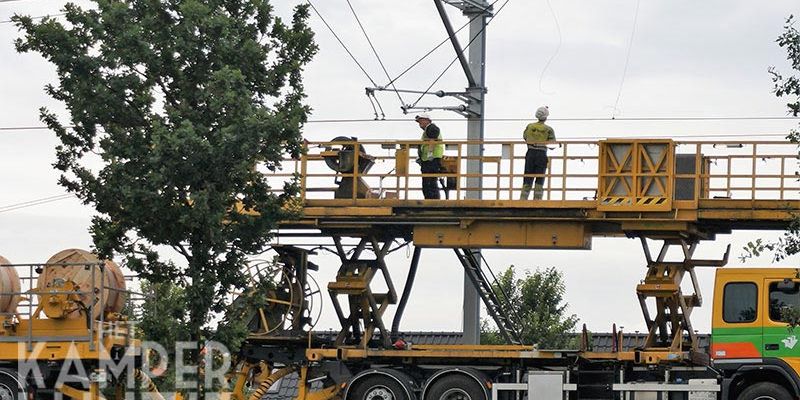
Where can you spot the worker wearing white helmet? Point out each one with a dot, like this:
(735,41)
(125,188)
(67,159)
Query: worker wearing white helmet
(536,135)
(431,152)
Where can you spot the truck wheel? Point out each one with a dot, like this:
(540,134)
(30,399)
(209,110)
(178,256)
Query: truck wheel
(377,387)
(765,391)
(10,386)
(455,387)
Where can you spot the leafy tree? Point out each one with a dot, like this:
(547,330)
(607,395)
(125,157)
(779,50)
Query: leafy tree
(173,106)
(538,300)
(787,87)
(163,318)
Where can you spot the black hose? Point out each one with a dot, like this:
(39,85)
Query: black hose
(412,272)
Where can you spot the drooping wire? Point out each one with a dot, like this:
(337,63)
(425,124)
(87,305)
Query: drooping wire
(555,53)
(341,42)
(478,34)
(383,67)
(627,60)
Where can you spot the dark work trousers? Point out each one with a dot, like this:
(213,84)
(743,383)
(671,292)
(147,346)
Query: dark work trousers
(430,188)
(535,163)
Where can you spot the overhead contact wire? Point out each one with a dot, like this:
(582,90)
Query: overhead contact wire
(31,203)
(441,43)
(341,42)
(371,46)
(483,28)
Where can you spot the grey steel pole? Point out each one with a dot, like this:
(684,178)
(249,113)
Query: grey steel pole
(475,106)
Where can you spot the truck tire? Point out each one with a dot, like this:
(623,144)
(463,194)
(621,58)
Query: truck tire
(377,387)
(10,386)
(455,387)
(765,391)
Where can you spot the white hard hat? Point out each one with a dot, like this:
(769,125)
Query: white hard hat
(422,116)
(542,113)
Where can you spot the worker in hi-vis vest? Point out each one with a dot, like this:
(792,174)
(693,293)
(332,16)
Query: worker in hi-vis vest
(430,156)
(536,158)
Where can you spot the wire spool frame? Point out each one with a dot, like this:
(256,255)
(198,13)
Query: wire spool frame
(290,306)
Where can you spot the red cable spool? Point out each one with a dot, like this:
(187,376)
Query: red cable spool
(109,276)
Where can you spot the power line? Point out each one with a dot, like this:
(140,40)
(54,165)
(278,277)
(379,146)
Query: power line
(477,15)
(480,32)
(341,42)
(364,31)
(8,21)
(31,203)
(509,119)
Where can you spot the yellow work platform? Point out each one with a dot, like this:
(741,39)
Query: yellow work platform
(592,188)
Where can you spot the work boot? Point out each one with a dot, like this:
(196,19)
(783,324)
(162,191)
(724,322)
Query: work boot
(526,189)
(538,192)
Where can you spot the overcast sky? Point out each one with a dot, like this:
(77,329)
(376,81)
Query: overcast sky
(687,59)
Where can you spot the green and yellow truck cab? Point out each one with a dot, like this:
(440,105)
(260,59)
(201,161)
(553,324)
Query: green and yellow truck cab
(753,345)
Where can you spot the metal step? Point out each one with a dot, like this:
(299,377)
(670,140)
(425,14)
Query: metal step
(496,308)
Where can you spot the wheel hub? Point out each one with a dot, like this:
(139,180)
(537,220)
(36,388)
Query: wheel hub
(455,394)
(379,393)
(6,393)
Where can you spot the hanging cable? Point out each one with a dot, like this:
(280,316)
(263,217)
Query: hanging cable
(341,42)
(555,53)
(372,101)
(627,60)
(480,32)
(366,36)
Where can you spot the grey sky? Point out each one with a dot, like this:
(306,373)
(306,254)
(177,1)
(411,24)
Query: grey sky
(688,59)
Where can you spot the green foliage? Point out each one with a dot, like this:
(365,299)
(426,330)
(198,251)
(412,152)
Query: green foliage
(783,247)
(173,105)
(787,87)
(164,320)
(234,327)
(538,299)
(791,315)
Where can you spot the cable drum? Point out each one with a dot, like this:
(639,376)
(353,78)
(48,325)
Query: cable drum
(107,280)
(344,159)
(9,283)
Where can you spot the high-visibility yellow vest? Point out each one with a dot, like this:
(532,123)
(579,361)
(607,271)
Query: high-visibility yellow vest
(538,132)
(429,151)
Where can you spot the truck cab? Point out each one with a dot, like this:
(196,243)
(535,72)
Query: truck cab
(753,345)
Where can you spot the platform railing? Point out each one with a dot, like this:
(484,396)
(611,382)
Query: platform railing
(745,170)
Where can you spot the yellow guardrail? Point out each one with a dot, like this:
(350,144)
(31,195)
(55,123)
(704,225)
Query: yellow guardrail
(620,174)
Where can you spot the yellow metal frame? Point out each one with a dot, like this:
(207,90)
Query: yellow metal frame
(636,175)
